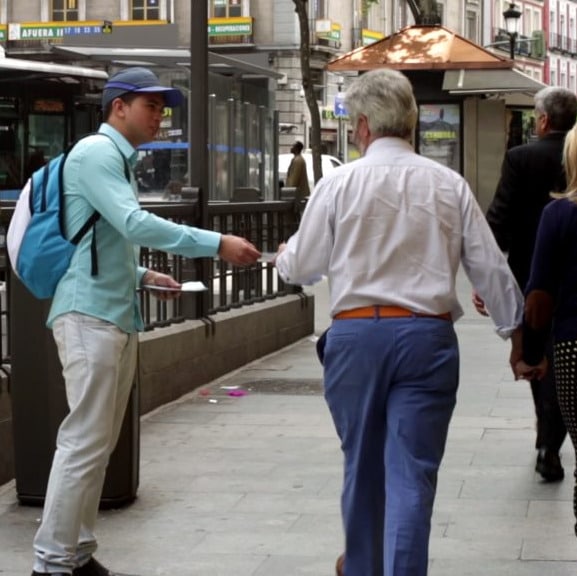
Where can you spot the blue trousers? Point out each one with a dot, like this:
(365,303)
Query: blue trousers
(391,385)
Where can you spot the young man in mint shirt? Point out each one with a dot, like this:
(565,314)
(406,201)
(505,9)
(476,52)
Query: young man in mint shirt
(95,317)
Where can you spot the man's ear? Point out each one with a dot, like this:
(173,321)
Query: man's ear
(118,105)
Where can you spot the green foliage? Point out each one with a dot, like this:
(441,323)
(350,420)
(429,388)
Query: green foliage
(367,5)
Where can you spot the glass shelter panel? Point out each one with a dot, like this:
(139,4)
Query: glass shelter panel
(219,176)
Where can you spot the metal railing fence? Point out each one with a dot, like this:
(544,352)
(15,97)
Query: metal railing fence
(266,224)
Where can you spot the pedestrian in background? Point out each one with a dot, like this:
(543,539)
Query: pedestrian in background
(551,304)
(297,176)
(95,317)
(529,174)
(390,231)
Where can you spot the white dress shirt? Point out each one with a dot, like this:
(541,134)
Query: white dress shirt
(391,229)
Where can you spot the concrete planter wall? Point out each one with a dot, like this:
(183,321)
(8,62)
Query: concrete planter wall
(175,360)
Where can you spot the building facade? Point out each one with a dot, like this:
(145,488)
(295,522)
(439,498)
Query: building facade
(266,34)
(560,19)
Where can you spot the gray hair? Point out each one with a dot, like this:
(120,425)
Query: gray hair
(386,98)
(560,106)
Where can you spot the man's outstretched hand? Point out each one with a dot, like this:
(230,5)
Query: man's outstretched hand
(237,251)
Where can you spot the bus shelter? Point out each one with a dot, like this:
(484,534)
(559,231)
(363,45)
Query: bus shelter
(43,108)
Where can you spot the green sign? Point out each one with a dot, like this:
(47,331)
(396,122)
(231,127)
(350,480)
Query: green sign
(329,114)
(51,31)
(230,26)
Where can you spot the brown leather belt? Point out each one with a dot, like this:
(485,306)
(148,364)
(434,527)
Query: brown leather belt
(387,312)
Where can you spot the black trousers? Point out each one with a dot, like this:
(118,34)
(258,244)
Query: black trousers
(551,430)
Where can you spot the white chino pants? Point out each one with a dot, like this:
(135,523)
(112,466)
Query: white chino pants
(99,363)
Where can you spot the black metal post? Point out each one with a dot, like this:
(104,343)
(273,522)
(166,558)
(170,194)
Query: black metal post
(512,38)
(198,145)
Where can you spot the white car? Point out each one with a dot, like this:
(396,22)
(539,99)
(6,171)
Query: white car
(328,163)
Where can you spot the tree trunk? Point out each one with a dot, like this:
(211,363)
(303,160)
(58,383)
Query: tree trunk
(305,48)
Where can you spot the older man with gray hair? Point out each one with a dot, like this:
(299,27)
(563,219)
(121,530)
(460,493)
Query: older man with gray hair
(390,231)
(528,176)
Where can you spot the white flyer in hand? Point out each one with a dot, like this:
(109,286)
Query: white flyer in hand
(185,287)
(193,287)
(267,257)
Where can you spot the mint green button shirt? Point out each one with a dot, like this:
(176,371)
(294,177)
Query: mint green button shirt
(95,180)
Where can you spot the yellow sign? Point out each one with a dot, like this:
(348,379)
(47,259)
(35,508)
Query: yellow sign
(370,36)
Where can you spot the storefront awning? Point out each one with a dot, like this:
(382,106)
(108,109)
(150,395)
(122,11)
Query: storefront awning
(15,65)
(169,57)
(498,81)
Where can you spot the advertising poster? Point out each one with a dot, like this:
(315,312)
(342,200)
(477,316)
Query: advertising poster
(439,134)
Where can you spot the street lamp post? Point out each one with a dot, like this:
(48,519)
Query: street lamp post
(512,16)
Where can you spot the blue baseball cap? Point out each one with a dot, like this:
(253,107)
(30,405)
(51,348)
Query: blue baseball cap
(138,80)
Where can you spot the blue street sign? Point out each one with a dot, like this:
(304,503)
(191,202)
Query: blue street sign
(340,109)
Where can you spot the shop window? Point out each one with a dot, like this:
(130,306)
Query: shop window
(146,9)
(521,127)
(225,8)
(65,10)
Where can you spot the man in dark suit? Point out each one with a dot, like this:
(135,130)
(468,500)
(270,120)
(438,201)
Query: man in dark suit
(529,174)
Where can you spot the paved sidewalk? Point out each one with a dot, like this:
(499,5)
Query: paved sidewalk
(249,485)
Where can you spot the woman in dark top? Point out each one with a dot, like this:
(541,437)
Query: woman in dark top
(551,296)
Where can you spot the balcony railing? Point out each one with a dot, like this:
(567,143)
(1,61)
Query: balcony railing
(562,43)
(523,44)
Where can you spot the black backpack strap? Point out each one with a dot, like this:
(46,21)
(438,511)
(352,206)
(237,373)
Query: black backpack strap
(44,188)
(91,222)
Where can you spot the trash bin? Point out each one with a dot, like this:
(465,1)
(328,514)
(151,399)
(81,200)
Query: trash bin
(39,406)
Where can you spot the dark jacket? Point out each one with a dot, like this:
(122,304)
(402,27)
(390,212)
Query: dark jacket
(528,176)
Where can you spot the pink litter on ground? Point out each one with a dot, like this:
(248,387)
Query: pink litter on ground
(239,392)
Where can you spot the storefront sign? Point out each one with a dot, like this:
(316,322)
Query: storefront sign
(336,32)
(3,33)
(329,114)
(328,30)
(340,110)
(55,30)
(370,36)
(230,26)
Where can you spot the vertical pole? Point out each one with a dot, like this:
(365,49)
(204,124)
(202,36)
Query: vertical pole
(231,141)
(197,149)
(263,153)
(512,46)
(340,155)
(212,143)
(274,153)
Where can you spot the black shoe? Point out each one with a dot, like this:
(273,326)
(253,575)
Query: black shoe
(94,568)
(34,573)
(549,466)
